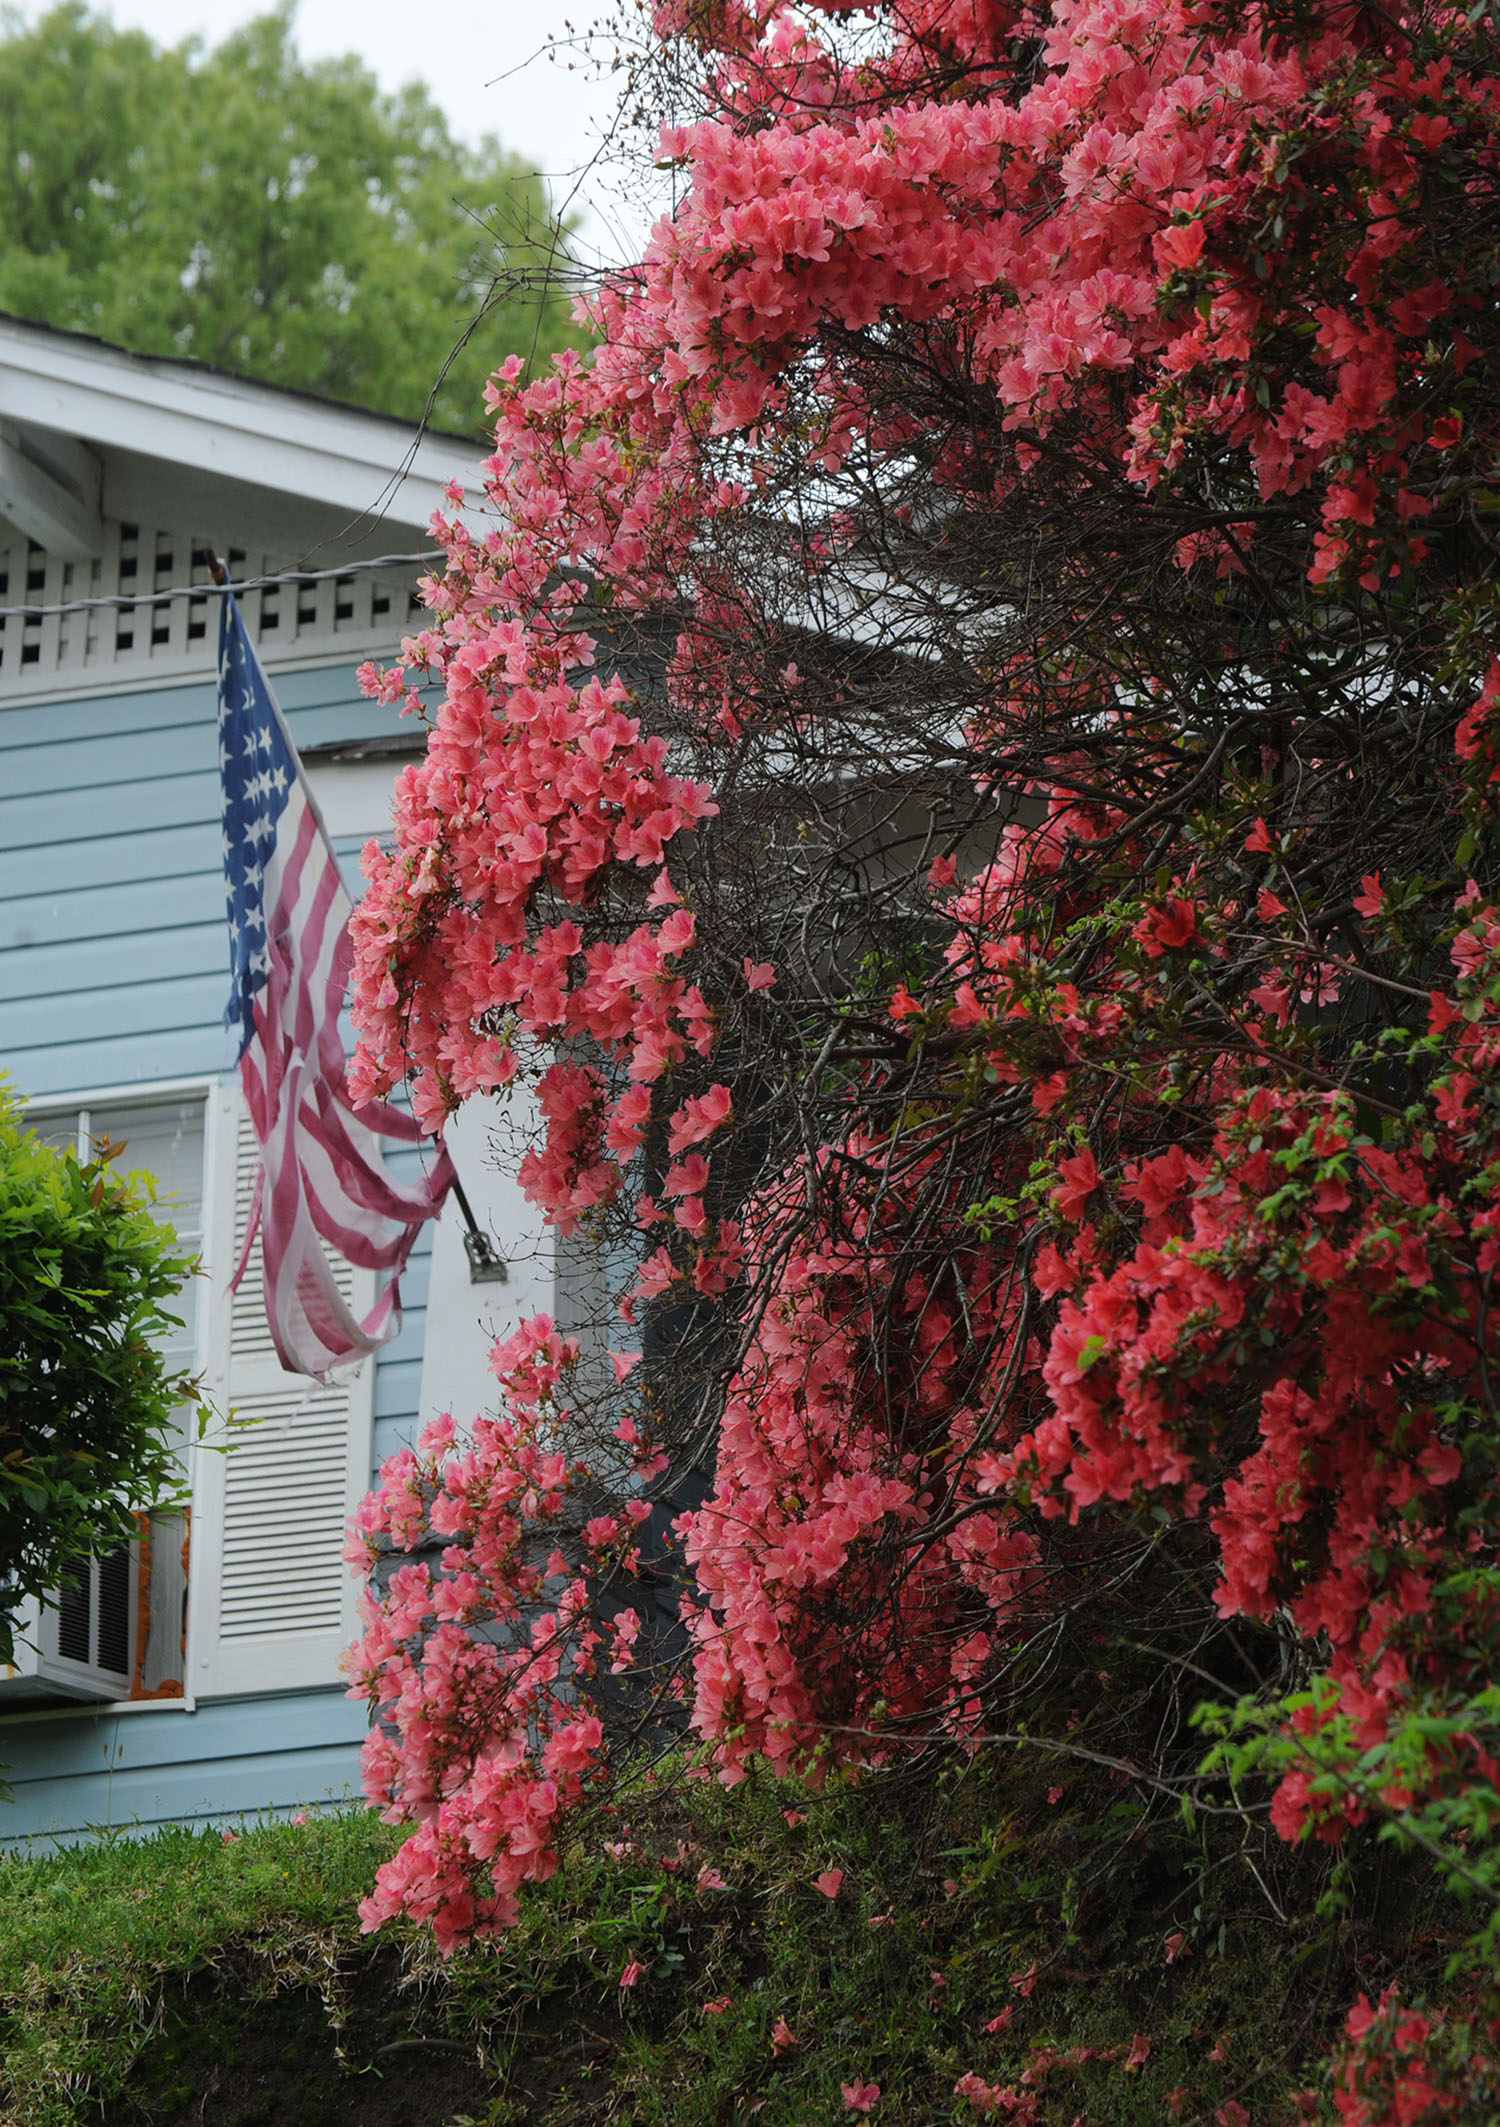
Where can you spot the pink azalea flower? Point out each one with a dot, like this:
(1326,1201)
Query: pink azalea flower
(860,2097)
(828,1882)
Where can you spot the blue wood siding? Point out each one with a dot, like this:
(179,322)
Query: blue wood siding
(75,1773)
(114,965)
(113,962)
(114,971)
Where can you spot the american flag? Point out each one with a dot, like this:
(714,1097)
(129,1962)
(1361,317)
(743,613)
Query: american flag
(322,1176)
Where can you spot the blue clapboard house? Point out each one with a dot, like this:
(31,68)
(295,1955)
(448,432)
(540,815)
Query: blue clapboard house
(194,1677)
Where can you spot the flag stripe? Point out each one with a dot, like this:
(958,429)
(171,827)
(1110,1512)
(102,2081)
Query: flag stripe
(322,1171)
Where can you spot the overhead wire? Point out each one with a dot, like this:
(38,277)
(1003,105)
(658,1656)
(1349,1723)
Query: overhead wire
(127,601)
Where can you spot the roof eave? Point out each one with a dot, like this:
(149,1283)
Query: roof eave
(190,415)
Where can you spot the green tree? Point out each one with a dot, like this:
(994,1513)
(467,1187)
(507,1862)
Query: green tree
(89,1409)
(287,220)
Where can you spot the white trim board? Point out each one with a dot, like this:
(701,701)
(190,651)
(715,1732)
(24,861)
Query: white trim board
(91,682)
(94,1710)
(143,1092)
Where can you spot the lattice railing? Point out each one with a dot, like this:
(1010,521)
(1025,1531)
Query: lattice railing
(368,610)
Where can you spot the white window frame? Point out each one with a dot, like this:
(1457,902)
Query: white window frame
(215,1667)
(36,1622)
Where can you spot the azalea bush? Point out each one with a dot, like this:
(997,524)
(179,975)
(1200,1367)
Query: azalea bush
(963,759)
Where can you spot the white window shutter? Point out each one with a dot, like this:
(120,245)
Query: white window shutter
(272,1603)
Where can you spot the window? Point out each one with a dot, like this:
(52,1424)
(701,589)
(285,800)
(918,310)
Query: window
(269,1603)
(117,1626)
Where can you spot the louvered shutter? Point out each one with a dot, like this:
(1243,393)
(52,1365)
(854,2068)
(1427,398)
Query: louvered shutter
(272,1600)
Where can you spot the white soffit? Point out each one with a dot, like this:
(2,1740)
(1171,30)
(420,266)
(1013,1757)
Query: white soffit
(192,417)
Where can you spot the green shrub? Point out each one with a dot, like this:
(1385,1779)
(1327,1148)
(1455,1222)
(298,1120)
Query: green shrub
(88,1407)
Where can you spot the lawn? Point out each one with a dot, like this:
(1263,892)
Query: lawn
(702,1956)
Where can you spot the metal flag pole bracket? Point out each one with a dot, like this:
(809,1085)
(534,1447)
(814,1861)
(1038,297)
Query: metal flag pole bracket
(486,1264)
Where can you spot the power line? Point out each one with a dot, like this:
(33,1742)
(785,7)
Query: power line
(126,601)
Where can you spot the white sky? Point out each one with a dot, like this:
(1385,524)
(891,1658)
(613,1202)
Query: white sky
(484,63)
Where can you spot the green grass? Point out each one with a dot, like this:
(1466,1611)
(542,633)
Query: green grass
(184,1978)
(90,1939)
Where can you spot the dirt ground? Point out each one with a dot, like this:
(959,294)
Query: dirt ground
(227,2060)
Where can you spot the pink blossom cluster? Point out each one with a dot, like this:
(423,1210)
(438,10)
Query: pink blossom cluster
(479,1674)
(1400,2068)
(1098,229)
(1273,1332)
(1105,225)
(821,1469)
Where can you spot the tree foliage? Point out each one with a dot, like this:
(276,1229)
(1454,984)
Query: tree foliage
(277,217)
(90,1415)
(1016,930)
